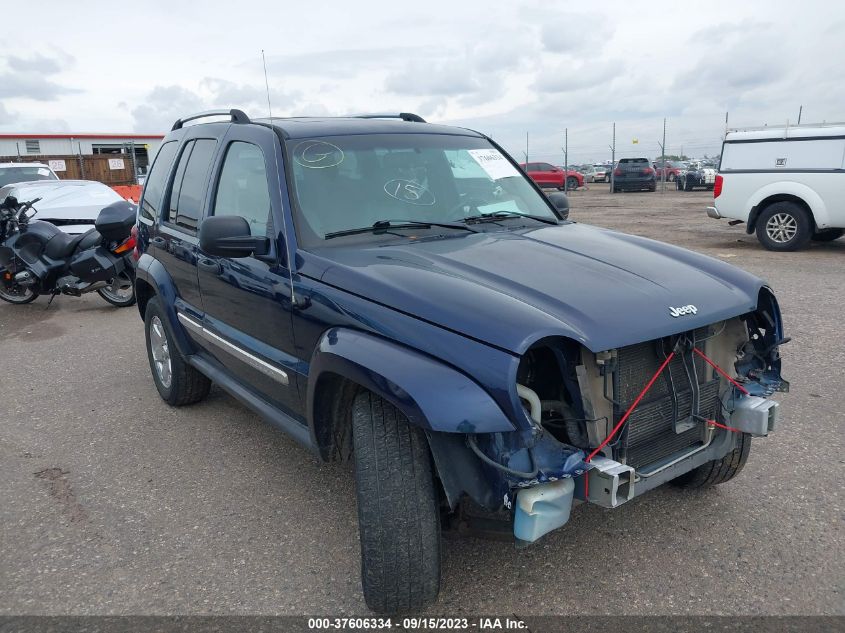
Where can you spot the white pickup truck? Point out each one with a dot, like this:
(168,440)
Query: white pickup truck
(785,183)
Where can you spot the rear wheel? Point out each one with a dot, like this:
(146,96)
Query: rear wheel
(784,226)
(828,235)
(177,382)
(717,471)
(120,292)
(397,508)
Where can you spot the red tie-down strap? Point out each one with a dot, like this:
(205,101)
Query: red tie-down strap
(645,390)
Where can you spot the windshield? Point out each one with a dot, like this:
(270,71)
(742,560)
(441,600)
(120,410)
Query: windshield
(348,182)
(24,173)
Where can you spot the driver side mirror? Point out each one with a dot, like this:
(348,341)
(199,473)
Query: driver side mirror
(9,202)
(560,202)
(229,236)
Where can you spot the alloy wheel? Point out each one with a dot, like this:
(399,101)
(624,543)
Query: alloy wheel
(781,228)
(161,352)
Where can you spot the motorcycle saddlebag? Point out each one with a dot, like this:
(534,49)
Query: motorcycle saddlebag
(96,264)
(115,221)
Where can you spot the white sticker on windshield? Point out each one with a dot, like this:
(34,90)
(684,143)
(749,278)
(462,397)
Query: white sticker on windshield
(43,172)
(493,162)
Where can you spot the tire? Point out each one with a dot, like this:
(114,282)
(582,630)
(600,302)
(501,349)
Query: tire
(16,294)
(671,177)
(181,384)
(717,471)
(571,183)
(784,226)
(398,516)
(688,186)
(121,293)
(828,235)
(653,188)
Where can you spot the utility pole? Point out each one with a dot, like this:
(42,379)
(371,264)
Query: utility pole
(565,158)
(663,158)
(613,161)
(526,150)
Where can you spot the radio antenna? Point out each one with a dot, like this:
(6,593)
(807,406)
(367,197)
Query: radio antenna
(293,301)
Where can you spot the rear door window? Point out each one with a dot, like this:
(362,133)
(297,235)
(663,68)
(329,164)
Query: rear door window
(189,183)
(157,180)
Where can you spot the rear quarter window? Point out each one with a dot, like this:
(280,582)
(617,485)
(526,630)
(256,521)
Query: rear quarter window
(157,180)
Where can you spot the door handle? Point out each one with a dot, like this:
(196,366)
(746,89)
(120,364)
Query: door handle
(157,242)
(209,266)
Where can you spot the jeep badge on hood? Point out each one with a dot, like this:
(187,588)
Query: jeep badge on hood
(687,309)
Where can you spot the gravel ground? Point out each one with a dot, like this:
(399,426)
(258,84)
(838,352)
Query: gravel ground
(113,503)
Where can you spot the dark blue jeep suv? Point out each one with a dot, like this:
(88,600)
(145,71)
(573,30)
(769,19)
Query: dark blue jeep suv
(401,295)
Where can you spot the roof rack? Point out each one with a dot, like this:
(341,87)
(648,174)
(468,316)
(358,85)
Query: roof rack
(787,125)
(405,116)
(238,116)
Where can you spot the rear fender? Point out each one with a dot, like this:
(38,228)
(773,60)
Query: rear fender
(150,271)
(786,190)
(432,395)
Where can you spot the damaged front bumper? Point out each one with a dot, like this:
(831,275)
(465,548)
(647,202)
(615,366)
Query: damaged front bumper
(583,446)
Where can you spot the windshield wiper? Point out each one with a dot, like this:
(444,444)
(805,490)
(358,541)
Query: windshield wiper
(498,215)
(385,225)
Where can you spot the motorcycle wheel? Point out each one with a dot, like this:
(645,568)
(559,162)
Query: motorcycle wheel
(15,293)
(120,292)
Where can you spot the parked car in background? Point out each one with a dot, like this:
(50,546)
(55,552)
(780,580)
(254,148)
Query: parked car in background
(786,184)
(634,174)
(597,173)
(671,170)
(11,173)
(71,205)
(696,175)
(549,176)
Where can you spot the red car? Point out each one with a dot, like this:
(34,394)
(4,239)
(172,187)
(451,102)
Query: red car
(548,176)
(673,169)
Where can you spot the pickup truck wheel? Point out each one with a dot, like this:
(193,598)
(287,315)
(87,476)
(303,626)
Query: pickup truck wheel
(783,226)
(398,515)
(177,382)
(828,235)
(717,471)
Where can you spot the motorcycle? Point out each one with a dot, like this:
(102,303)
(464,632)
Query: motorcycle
(37,258)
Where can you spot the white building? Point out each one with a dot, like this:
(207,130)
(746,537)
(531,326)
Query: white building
(33,145)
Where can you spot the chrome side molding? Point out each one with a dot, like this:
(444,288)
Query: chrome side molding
(227,346)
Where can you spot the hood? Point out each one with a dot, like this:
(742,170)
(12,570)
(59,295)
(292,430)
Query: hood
(510,289)
(67,200)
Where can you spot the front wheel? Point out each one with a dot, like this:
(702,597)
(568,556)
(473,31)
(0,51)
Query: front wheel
(717,471)
(571,183)
(398,515)
(13,292)
(120,292)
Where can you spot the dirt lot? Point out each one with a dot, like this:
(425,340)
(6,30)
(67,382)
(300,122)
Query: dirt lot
(111,502)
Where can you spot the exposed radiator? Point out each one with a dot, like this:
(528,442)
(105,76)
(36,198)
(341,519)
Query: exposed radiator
(650,434)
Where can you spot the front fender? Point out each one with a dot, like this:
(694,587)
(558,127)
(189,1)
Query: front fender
(150,270)
(432,395)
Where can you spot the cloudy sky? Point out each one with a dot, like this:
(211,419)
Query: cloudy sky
(505,68)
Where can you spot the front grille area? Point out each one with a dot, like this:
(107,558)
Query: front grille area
(650,433)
